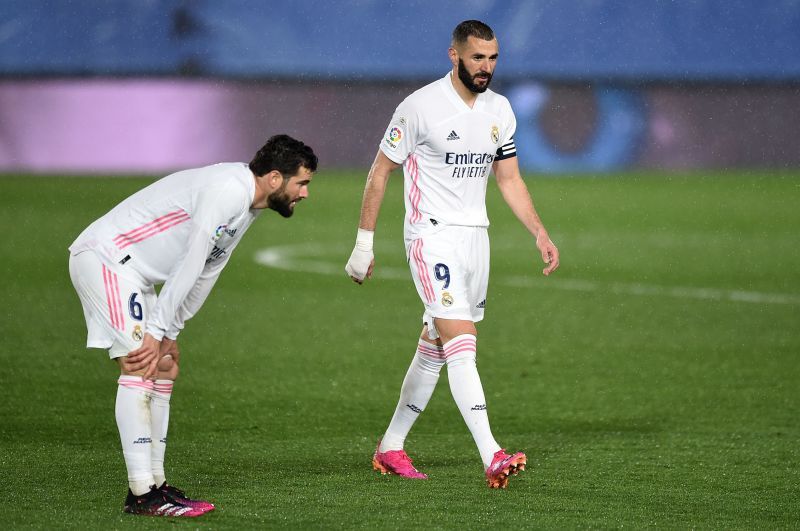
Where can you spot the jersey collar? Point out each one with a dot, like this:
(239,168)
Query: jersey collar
(450,90)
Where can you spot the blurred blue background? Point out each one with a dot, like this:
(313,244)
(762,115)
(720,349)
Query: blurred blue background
(566,40)
(597,85)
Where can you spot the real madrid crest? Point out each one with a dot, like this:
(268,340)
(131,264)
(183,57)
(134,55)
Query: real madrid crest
(495,134)
(447,299)
(137,334)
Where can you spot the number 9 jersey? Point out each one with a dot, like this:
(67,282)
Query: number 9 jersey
(447,150)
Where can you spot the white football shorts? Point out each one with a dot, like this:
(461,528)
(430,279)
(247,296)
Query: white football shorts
(450,268)
(115,307)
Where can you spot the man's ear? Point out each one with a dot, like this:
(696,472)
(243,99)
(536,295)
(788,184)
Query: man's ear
(273,179)
(453,54)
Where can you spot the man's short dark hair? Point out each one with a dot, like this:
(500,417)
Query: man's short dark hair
(471,28)
(285,154)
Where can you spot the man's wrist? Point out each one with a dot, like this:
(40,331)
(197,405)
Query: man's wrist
(156,333)
(364,239)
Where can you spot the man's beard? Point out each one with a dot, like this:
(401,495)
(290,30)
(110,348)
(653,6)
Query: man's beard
(469,81)
(279,202)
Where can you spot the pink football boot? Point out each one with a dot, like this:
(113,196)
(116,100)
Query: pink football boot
(395,462)
(503,466)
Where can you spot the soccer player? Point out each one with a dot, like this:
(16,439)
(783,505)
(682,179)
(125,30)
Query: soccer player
(179,232)
(448,136)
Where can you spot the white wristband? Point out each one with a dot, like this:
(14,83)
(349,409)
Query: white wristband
(364,239)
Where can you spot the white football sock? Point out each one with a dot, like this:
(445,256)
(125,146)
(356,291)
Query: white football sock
(418,386)
(159,415)
(465,385)
(132,411)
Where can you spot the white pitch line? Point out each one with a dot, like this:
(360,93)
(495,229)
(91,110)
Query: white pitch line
(315,258)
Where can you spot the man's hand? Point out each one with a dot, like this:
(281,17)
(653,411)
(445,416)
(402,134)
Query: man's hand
(169,347)
(145,357)
(549,252)
(362,260)
(169,356)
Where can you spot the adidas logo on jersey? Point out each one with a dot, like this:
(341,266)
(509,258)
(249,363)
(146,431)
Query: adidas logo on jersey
(453,136)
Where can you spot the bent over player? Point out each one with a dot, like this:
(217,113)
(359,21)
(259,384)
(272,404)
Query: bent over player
(180,232)
(448,136)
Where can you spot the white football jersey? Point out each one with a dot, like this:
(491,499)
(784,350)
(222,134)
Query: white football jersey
(447,150)
(179,232)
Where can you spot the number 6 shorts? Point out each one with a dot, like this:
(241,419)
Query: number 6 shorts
(115,307)
(450,268)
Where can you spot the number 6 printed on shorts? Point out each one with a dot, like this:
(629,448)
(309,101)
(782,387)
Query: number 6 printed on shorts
(135,308)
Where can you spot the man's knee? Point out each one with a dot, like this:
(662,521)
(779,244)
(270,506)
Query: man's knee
(450,328)
(166,363)
(167,368)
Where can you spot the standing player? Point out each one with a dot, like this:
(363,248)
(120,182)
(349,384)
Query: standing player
(179,232)
(448,136)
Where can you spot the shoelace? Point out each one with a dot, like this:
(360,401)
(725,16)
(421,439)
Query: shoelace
(404,457)
(497,465)
(174,490)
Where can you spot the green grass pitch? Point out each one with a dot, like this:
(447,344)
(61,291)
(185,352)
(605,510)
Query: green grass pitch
(653,381)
